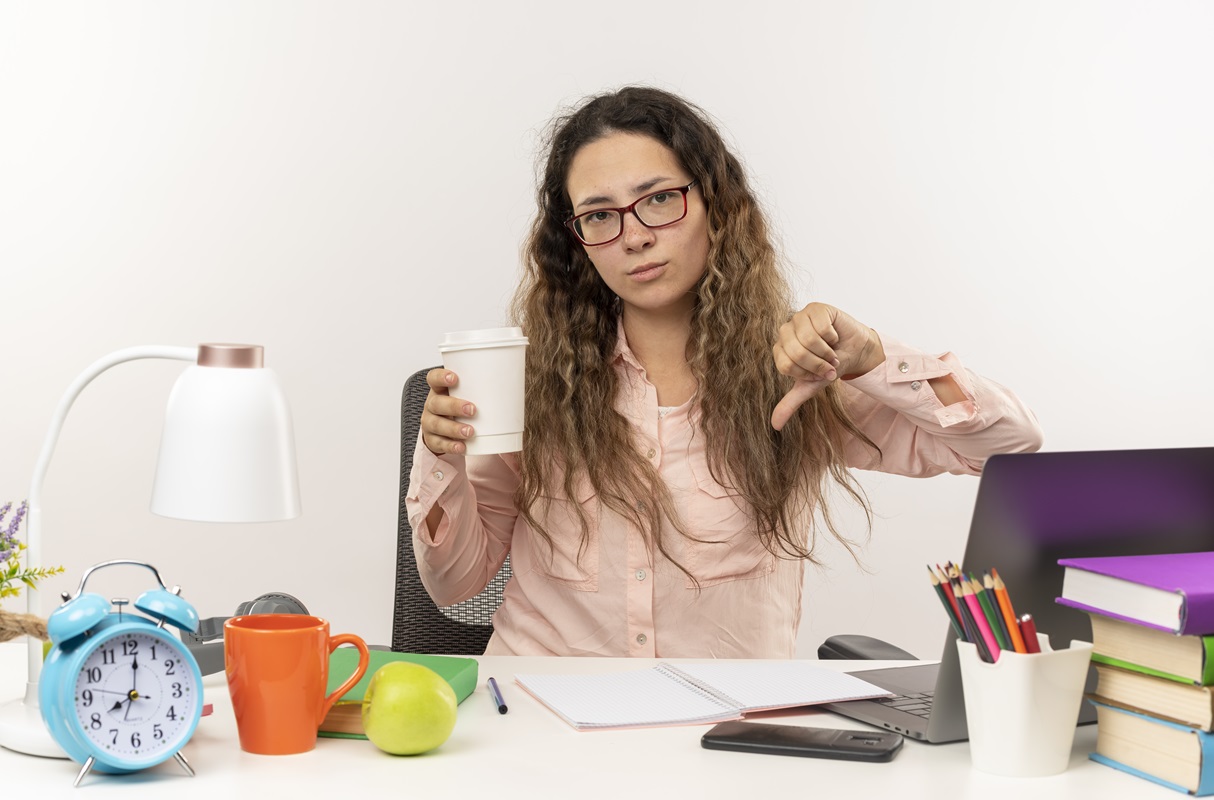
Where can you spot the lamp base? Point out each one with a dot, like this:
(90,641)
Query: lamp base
(22,730)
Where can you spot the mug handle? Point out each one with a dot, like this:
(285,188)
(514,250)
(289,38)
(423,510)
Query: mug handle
(364,659)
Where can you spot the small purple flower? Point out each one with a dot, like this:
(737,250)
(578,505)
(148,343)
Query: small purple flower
(8,536)
(12,575)
(16,521)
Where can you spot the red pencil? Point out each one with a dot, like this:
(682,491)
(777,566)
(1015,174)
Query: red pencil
(948,591)
(1028,629)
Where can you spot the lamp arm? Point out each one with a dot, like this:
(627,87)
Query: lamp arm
(33,519)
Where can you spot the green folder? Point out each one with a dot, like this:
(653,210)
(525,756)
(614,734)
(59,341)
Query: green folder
(460,672)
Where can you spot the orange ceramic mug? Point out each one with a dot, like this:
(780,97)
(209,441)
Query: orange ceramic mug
(278,670)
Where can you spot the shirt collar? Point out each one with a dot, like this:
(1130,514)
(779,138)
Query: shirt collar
(622,352)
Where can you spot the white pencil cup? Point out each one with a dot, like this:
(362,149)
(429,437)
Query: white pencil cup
(1022,710)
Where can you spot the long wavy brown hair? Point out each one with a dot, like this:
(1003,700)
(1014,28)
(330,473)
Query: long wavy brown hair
(570,317)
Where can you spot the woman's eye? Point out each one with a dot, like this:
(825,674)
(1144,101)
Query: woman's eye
(659,198)
(597,217)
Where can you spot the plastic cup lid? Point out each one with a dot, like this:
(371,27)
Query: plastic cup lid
(485,337)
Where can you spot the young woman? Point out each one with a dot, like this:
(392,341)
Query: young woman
(683,420)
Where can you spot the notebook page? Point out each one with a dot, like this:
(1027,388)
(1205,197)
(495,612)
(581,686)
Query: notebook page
(780,684)
(636,698)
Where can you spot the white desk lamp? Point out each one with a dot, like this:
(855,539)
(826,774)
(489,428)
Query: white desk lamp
(227,454)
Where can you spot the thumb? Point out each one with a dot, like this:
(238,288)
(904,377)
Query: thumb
(797,396)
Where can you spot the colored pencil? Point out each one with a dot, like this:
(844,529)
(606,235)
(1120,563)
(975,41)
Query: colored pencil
(992,644)
(1028,629)
(949,608)
(973,635)
(991,606)
(1009,615)
(992,619)
(948,591)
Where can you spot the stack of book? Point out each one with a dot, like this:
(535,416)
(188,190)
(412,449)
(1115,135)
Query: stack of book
(1153,649)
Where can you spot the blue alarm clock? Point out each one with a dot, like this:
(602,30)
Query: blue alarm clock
(119,693)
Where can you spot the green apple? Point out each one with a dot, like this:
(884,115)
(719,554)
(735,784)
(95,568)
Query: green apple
(408,709)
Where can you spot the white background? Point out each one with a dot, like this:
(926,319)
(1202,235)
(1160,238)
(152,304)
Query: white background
(1029,185)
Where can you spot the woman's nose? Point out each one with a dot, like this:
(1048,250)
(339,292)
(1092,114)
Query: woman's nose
(636,234)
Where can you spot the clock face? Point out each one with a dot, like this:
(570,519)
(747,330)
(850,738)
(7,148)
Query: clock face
(136,696)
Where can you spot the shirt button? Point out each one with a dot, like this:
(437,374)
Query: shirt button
(640,574)
(651,453)
(642,638)
(915,385)
(438,475)
(903,367)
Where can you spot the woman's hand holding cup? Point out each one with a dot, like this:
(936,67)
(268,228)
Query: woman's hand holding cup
(441,431)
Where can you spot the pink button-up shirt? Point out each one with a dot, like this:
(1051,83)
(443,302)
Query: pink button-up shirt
(613,597)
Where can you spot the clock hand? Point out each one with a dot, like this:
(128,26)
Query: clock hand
(131,697)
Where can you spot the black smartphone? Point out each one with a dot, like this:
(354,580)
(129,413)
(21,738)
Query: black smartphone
(794,740)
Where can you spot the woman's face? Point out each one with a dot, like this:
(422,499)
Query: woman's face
(650,269)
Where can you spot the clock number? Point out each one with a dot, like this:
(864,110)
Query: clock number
(107,656)
(157,734)
(87,694)
(130,647)
(176,690)
(153,652)
(135,739)
(113,736)
(95,722)
(171,714)
(94,674)
(169,667)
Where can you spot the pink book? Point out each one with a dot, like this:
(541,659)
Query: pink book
(1172,592)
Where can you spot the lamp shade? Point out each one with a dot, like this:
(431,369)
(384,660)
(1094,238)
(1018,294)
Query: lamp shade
(227,453)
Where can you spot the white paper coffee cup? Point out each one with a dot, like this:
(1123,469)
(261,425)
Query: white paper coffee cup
(491,364)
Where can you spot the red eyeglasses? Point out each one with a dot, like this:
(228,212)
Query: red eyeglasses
(654,210)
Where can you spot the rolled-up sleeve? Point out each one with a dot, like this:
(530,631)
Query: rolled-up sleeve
(895,406)
(476,494)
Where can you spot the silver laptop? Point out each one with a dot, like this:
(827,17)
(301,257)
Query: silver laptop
(1031,510)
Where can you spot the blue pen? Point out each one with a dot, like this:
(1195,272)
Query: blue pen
(496,694)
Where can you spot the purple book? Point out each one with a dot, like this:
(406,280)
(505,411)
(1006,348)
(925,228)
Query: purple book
(1172,592)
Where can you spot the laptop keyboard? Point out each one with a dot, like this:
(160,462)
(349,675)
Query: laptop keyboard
(918,704)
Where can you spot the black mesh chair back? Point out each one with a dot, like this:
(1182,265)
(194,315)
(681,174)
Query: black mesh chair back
(418,625)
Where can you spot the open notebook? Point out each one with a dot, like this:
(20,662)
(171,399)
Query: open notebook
(691,694)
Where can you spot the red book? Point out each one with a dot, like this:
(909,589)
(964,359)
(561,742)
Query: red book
(1172,592)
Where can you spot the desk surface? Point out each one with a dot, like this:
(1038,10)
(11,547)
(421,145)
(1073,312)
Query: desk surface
(530,752)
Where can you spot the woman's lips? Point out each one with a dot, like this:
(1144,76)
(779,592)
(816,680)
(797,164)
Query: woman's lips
(647,272)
